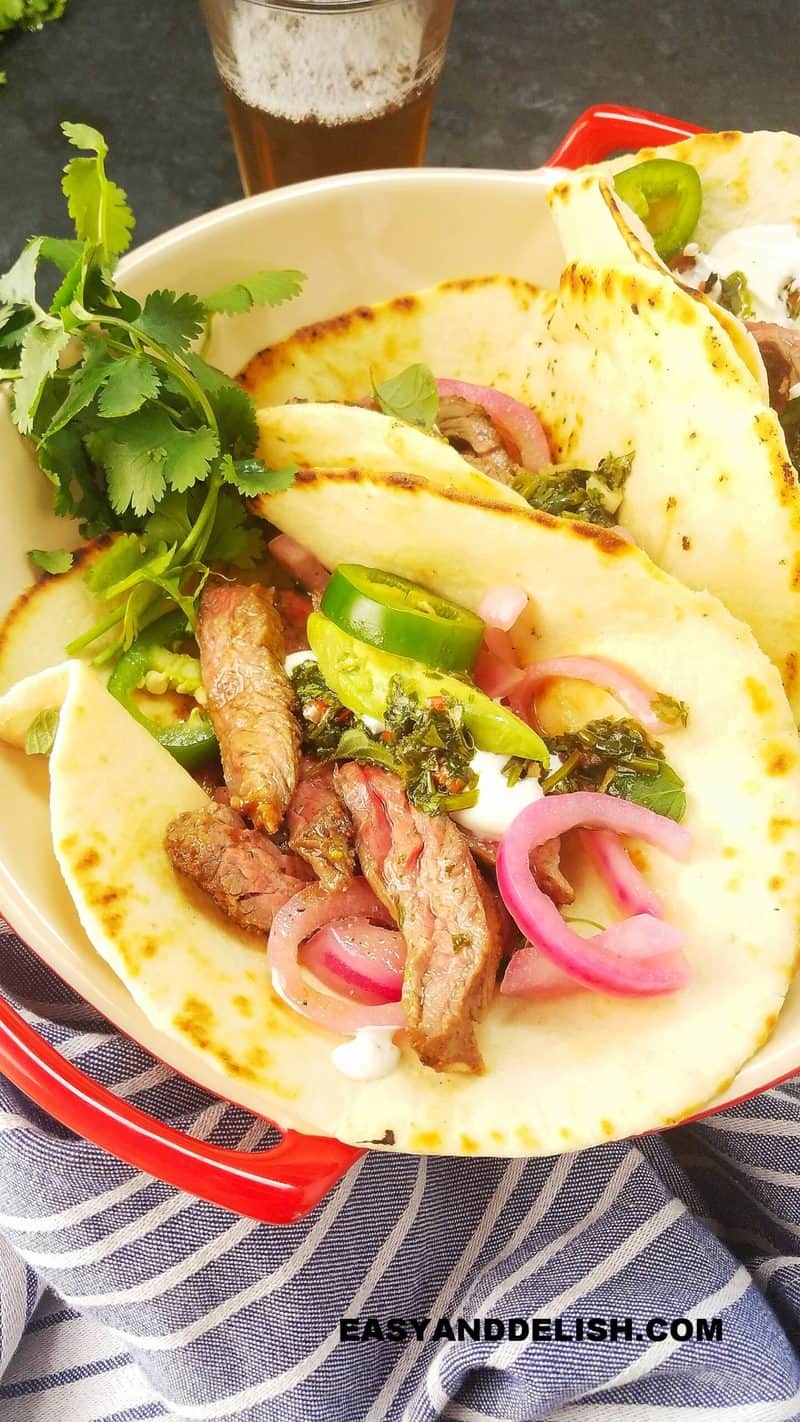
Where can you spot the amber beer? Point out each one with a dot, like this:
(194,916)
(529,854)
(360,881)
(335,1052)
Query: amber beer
(271,150)
(314,87)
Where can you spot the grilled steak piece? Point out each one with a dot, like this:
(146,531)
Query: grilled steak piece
(471,431)
(780,351)
(239,868)
(545,866)
(250,699)
(423,871)
(320,829)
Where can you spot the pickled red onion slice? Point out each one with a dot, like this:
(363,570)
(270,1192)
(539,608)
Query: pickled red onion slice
(633,694)
(501,606)
(305,914)
(358,959)
(297,560)
(602,962)
(515,422)
(615,866)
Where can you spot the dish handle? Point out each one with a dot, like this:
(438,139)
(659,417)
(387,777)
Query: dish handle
(277,1186)
(604,129)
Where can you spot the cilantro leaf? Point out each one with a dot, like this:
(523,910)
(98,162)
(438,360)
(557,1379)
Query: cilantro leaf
(236,539)
(233,408)
(170,522)
(134,467)
(664,792)
(410,396)
(130,382)
(85,381)
(144,452)
(170,320)
(251,476)
(264,288)
(41,733)
(41,348)
(51,560)
(63,252)
(18,286)
(98,207)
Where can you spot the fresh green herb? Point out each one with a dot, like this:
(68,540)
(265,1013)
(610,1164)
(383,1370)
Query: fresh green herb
(136,432)
(734,294)
(669,710)
(51,560)
(29,14)
(517,768)
(429,747)
(593,495)
(410,396)
(41,733)
(617,757)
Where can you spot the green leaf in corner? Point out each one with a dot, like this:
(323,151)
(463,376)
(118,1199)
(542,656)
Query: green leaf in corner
(265,288)
(41,733)
(251,476)
(51,560)
(123,557)
(410,396)
(236,538)
(98,207)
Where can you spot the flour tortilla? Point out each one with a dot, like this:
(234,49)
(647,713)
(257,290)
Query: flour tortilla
(620,360)
(560,1075)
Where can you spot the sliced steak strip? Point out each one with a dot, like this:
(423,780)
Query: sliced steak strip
(239,868)
(470,430)
(250,699)
(545,866)
(780,351)
(320,828)
(423,871)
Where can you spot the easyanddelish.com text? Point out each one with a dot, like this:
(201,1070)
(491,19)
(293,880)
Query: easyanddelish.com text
(534,1330)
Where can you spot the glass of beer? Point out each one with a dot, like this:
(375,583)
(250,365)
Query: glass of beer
(327,86)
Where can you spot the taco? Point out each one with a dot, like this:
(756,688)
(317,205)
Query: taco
(500,859)
(620,399)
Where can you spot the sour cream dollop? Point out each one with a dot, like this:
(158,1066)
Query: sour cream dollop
(498,803)
(767,254)
(368,1056)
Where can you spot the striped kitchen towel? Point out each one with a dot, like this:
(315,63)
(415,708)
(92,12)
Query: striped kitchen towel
(121,1298)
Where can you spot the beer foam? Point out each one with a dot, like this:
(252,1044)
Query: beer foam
(327,66)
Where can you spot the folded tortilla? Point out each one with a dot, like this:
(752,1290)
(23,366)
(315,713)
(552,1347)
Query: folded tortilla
(560,1074)
(620,359)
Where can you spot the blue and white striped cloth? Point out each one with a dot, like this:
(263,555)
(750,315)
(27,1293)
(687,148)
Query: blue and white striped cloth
(121,1298)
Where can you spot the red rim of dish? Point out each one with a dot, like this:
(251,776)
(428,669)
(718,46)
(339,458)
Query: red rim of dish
(281,1185)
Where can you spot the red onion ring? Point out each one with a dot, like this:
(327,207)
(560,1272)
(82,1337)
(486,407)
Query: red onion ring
(602,962)
(517,424)
(358,959)
(304,914)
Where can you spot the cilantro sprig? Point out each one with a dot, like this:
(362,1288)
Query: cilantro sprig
(137,433)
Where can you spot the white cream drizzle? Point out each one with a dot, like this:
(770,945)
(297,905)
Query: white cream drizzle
(368,1056)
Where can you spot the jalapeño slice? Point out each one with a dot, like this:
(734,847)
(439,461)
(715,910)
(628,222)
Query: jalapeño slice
(398,616)
(191,740)
(667,196)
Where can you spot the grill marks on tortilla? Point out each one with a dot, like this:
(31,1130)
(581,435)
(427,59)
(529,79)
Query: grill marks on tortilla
(245,874)
(320,829)
(423,871)
(250,699)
